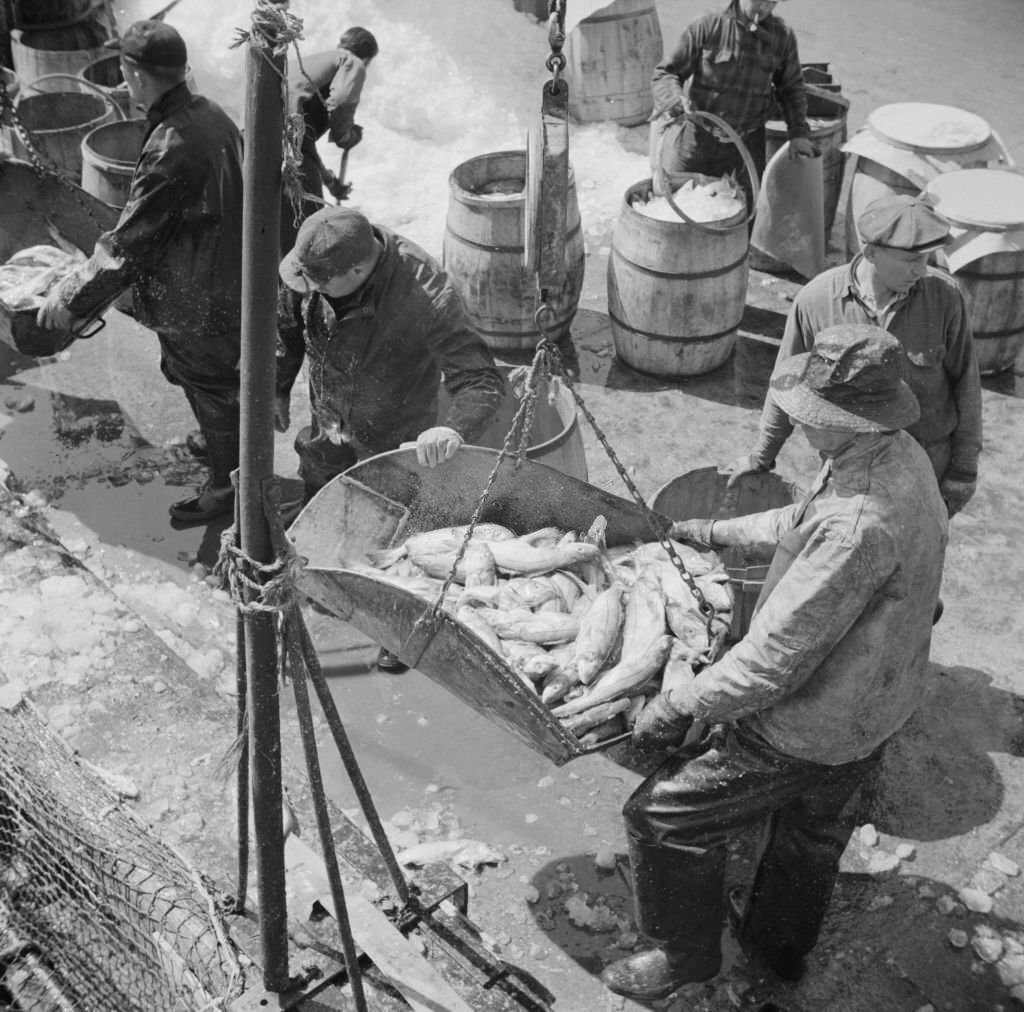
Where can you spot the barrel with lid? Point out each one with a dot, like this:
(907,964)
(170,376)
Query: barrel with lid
(905,145)
(676,290)
(986,210)
(611,57)
(483,250)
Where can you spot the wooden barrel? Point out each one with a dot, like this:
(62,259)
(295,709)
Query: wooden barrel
(484,246)
(59,123)
(40,14)
(986,209)
(9,82)
(105,74)
(901,150)
(555,437)
(59,51)
(704,493)
(610,59)
(109,154)
(676,292)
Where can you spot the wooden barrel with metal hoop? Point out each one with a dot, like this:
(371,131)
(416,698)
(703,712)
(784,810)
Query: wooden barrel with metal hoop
(483,249)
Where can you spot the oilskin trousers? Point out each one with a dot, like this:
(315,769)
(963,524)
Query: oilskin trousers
(681,818)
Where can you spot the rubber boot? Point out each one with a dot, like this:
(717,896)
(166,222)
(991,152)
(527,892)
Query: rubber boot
(680,907)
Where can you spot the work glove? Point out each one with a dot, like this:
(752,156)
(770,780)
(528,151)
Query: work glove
(747,464)
(348,140)
(661,725)
(957,492)
(436,445)
(802,147)
(335,187)
(53,314)
(696,532)
(282,412)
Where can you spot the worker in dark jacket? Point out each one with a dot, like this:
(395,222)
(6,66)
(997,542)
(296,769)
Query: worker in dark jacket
(324,89)
(729,63)
(178,245)
(833,664)
(890,284)
(381,325)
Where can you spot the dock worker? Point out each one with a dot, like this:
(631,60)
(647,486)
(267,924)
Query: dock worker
(834,662)
(380,325)
(729,63)
(890,284)
(324,88)
(178,245)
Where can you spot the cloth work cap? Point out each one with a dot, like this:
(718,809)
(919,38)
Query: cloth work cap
(330,242)
(903,221)
(151,42)
(850,381)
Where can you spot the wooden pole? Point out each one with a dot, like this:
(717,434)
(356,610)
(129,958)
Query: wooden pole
(264,119)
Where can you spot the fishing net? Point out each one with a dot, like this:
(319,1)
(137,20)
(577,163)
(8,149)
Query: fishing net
(95,913)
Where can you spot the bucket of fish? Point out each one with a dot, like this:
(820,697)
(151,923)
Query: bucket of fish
(563,615)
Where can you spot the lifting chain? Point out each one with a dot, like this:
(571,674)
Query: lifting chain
(548,350)
(38,160)
(556,39)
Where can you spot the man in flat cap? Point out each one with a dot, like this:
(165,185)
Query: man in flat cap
(833,664)
(890,284)
(381,325)
(178,246)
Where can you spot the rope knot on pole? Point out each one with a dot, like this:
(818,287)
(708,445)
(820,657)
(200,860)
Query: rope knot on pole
(258,586)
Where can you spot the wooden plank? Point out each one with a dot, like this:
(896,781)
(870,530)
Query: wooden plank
(419,983)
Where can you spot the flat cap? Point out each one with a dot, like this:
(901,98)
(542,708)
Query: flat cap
(152,43)
(902,221)
(329,243)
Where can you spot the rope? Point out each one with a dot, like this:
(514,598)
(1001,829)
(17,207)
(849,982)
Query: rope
(258,586)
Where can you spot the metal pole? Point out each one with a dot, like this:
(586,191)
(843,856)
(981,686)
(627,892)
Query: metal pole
(264,118)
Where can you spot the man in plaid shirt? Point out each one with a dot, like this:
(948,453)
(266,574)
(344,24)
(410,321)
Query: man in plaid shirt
(729,63)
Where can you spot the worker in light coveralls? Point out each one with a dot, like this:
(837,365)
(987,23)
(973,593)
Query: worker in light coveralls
(834,662)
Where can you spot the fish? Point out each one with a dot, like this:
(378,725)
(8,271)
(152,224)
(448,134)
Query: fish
(599,629)
(696,563)
(571,587)
(533,591)
(534,627)
(519,557)
(717,590)
(440,541)
(609,729)
(624,679)
(480,569)
(644,619)
(546,537)
(471,619)
(468,854)
(678,671)
(579,723)
(529,659)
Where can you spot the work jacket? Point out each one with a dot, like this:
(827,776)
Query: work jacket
(836,656)
(722,67)
(932,324)
(376,359)
(325,90)
(178,241)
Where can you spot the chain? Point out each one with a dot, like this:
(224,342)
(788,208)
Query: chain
(555,62)
(39,161)
(547,348)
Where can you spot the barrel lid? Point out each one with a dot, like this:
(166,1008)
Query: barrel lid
(925,126)
(980,198)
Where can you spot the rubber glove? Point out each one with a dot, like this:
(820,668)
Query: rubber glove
(436,445)
(747,464)
(661,725)
(696,532)
(957,492)
(802,147)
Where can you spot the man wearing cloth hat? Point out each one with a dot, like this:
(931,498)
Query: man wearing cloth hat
(729,63)
(381,325)
(178,245)
(833,664)
(890,284)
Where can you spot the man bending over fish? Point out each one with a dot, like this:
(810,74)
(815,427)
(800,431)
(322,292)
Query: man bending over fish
(833,664)
(380,324)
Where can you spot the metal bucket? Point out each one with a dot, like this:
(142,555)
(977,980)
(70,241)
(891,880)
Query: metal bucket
(555,437)
(483,248)
(59,123)
(109,154)
(703,493)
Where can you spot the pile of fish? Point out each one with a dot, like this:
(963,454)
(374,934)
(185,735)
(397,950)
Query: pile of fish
(29,275)
(712,201)
(594,631)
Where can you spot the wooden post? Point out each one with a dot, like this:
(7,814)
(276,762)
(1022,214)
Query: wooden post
(264,118)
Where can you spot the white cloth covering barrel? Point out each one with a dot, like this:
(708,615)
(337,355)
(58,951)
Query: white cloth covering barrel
(905,145)
(986,256)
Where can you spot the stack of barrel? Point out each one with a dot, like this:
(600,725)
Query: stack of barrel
(70,96)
